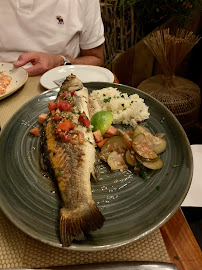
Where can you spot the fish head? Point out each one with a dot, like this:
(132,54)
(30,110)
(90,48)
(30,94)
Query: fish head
(71,83)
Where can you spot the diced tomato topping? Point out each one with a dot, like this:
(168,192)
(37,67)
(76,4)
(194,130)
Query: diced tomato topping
(129,132)
(65,126)
(63,130)
(72,93)
(64,105)
(86,122)
(35,131)
(72,125)
(57,117)
(64,94)
(110,132)
(100,144)
(129,144)
(98,136)
(66,137)
(83,119)
(53,112)
(42,118)
(52,105)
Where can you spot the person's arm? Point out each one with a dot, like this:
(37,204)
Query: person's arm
(93,57)
(43,62)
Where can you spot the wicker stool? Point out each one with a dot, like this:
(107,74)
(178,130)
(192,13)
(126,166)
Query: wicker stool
(179,95)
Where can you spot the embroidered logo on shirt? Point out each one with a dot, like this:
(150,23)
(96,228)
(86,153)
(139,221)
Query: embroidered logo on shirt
(60,19)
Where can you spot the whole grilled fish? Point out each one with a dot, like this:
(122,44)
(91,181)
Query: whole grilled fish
(70,147)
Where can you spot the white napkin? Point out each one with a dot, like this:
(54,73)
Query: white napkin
(194,196)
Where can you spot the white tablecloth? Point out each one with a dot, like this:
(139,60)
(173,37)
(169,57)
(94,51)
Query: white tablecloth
(194,196)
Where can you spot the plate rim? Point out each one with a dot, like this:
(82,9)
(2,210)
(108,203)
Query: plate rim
(78,247)
(17,87)
(109,72)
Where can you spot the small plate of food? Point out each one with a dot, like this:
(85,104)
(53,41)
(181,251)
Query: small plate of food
(135,149)
(11,79)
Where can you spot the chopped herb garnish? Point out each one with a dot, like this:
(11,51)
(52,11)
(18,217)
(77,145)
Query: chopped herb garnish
(162,120)
(122,96)
(157,187)
(143,174)
(88,140)
(107,99)
(147,125)
(138,164)
(59,174)
(122,104)
(124,109)
(175,165)
(104,95)
(132,101)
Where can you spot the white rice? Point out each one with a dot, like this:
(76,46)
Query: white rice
(126,109)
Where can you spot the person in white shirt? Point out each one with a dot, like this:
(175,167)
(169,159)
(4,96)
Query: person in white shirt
(51,33)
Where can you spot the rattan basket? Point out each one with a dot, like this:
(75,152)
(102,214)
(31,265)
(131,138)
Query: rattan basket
(181,96)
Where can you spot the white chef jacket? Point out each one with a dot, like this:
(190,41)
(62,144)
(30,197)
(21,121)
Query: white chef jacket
(59,27)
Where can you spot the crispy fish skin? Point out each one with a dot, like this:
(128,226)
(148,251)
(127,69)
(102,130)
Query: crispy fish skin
(72,163)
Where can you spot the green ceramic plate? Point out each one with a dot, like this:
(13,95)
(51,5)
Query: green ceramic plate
(133,207)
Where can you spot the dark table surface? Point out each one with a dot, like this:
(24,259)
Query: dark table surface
(194,214)
(194,218)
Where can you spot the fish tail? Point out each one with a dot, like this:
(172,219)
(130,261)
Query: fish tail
(74,224)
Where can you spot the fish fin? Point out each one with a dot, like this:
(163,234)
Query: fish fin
(95,173)
(96,169)
(74,224)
